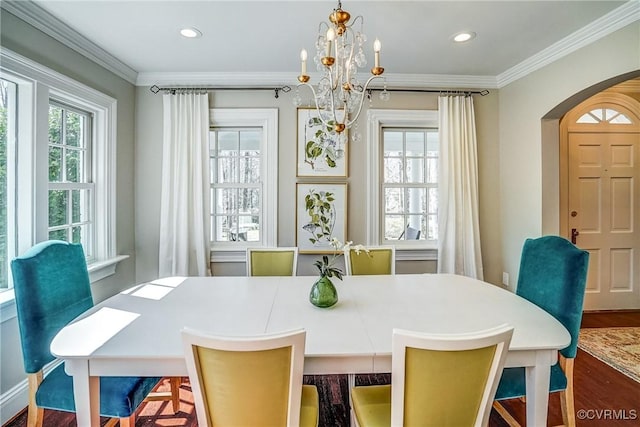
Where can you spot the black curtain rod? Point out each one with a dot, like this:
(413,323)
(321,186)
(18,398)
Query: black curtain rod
(285,89)
(482,92)
(174,89)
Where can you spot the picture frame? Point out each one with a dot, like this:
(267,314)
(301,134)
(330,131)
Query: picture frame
(321,214)
(319,151)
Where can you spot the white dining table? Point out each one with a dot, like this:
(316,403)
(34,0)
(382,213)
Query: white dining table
(137,332)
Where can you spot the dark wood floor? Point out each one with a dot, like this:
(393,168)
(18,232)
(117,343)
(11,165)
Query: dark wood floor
(604,393)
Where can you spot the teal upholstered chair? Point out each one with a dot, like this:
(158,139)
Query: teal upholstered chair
(52,287)
(436,380)
(553,275)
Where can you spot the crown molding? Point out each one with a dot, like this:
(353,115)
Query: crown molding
(601,27)
(439,81)
(221,79)
(251,79)
(39,18)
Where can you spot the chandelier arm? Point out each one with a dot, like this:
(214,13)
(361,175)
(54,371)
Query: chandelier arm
(315,97)
(331,97)
(364,90)
(320,27)
(353,23)
(350,57)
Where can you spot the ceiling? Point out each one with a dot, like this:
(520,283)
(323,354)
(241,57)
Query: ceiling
(264,38)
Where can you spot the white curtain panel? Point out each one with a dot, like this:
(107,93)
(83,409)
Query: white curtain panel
(184,208)
(458,225)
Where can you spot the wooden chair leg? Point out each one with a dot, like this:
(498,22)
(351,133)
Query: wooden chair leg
(505,414)
(112,422)
(34,414)
(566,396)
(129,421)
(175,393)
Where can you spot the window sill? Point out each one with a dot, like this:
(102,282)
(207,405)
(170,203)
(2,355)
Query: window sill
(97,271)
(7,305)
(100,270)
(426,254)
(228,255)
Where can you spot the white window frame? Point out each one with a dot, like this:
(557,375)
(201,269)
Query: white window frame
(38,84)
(85,183)
(267,120)
(377,119)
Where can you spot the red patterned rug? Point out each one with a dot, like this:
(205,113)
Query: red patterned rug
(617,347)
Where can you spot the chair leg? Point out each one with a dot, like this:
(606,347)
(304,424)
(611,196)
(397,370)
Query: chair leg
(129,421)
(112,422)
(566,396)
(505,414)
(175,393)
(34,414)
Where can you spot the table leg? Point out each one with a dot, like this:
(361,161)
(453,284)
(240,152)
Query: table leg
(538,378)
(86,392)
(351,382)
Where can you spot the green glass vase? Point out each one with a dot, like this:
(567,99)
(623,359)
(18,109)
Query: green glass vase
(323,294)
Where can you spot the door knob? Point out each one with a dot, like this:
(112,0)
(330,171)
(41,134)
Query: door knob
(574,234)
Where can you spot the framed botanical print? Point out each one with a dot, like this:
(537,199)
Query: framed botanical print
(321,152)
(321,214)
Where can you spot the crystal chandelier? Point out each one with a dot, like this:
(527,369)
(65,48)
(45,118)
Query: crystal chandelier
(339,94)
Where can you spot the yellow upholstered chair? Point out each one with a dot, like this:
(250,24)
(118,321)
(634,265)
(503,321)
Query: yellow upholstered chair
(436,380)
(250,381)
(379,260)
(272,261)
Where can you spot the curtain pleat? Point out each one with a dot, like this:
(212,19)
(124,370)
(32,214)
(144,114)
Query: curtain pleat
(184,207)
(458,224)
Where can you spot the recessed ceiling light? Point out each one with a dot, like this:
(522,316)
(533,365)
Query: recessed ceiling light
(464,36)
(191,32)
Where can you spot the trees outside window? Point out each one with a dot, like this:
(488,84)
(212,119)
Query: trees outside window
(70,184)
(236,190)
(8,119)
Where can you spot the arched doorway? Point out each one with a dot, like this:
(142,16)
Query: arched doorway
(600,195)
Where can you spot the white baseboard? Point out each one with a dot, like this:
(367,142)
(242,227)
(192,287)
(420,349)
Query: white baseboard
(13,401)
(16,398)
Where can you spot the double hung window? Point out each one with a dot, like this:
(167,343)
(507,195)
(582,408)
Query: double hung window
(236,186)
(410,184)
(243,147)
(71,187)
(402,181)
(57,166)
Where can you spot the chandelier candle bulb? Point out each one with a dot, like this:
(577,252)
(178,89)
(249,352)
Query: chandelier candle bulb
(303,58)
(376,50)
(331,36)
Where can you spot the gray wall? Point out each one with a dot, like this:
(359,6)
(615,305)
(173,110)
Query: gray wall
(149,162)
(31,43)
(528,208)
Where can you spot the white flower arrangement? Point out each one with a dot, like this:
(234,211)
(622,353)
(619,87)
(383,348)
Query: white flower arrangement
(325,266)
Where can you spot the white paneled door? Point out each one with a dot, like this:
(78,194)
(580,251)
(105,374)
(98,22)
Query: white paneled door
(604,197)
